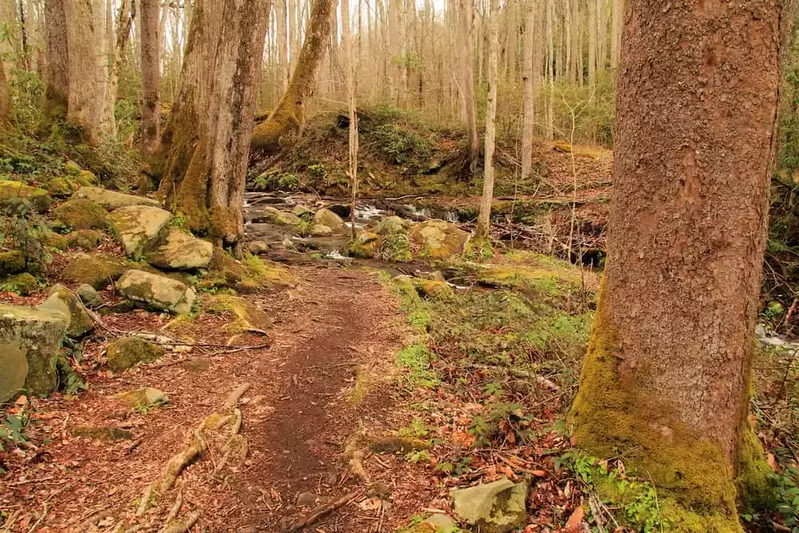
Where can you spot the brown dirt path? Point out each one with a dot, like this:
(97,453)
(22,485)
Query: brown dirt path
(297,418)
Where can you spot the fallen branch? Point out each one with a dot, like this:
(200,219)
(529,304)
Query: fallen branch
(322,511)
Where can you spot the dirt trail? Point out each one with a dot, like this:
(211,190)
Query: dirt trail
(296,418)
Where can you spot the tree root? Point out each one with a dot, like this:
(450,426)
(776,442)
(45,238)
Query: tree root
(321,512)
(173,512)
(182,526)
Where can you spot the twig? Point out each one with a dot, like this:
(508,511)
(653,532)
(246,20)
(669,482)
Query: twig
(40,520)
(322,511)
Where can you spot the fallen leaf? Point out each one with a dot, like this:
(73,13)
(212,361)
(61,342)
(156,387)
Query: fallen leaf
(574,523)
(539,473)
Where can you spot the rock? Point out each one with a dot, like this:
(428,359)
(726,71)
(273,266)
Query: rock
(248,316)
(23,284)
(15,371)
(61,187)
(89,296)
(326,217)
(320,230)
(72,168)
(11,262)
(113,199)
(437,523)
(438,239)
(301,211)
(85,239)
(126,353)
(395,247)
(62,300)
(257,247)
(13,192)
(274,215)
(180,251)
(364,245)
(87,178)
(306,499)
(81,214)
(496,507)
(378,489)
(392,224)
(437,290)
(38,334)
(101,432)
(96,270)
(144,398)
(137,225)
(158,292)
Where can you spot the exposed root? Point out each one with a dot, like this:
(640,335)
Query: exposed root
(234,397)
(173,512)
(182,526)
(178,462)
(145,500)
(321,512)
(356,456)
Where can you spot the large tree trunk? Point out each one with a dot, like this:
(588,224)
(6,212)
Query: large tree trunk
(151,75)
(285,123)
(665,380)
(6,106)
(206,143)
(57,70)
(528,88)
(484,218)
(467,81)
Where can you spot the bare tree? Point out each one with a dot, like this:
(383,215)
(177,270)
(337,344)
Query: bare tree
(484,218)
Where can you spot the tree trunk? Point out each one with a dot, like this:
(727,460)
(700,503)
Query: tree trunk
(151,75)
(550,132)
(285,123)
(349,75)
(467,77)
(484,218)
(57,70)
(665,382)
(615,33)
(592,45)
(6,106)
(124,22)
(528,121)
(209,131)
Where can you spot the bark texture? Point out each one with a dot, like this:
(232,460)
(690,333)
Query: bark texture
(484,218)
(285,122)
(57,71)
(666,376)
(151,71)
(6,106)
(467,81)
(528,89)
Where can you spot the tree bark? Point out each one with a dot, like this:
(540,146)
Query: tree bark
(592,44)
(467,81)
(550,131)
(665,380)
(6,106)
(528,88)
(484,218)
(285,123)
(57,70)
(124,22)
(151,75)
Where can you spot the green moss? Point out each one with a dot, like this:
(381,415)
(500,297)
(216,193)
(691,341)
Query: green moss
(86,239)
(97,270)
(61,187)
(81,214)
(611,418)
(395,247)
(756,489)
(11,262)
(23,284)
(130,351)
(415,359)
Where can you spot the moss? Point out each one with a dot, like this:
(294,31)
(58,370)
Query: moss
(81,214)
(101,433)
(87,178)
(611,418)
(85,239)
(13,192)
(97,270)
(72,168)
(437,290)
(11,262)
(395,247)
(130,351)
(23,284)
(61,187)
(756,489)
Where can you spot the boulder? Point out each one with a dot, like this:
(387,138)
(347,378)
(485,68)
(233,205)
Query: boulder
(437,523)
(89,296)
(392,224)
(97,270)
(496,507)
(61,187)
(144,398)
(23,284)
(434,289)
(15,371)
(126,353)
(248,316)
(12,192)
(301,211)
(81,214)
(274,215)
(326,217)
(157,292)
(113,199)
(38,334)
(136,226)
(257,247)
(87,178)
(179,250)
(11,262)
(438,239)
(85,239)
(364,245)
(62,300)
(320,230)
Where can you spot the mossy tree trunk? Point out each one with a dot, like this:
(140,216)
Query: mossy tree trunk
(202,157)
(665,380)
(57,69)
(285,123)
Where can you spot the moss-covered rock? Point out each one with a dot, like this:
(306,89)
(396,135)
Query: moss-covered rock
(81,214)
(13,192)
(179,250)
(72,168)
(61,187)
(144,398)
(395,247)
(137,226)
(363,246)
(89,296)
(126,353)
(496,507)
(23,284)
(97,270)
(87,178)
(156,292)
(437,239)
(62,300)
(85,239)
(113,199)
(435,289)
(302,211)
(15,371)
(248,316)
(326,217)
(11,262)
(38,334)
(319,230)
(247,276)
(393,224)
(274,215)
